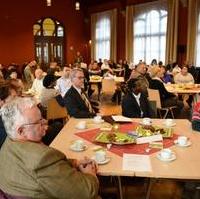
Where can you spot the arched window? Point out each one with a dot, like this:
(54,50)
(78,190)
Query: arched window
(150,36)
(102,38)
(49,41)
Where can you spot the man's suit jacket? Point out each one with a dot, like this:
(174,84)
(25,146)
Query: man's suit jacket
(37,171)
(130,107)
(75,105)
(2,133)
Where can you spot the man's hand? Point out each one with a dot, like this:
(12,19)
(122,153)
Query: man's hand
(87,166)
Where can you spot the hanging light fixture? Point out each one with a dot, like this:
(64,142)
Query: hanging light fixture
(77,5)
(48,2)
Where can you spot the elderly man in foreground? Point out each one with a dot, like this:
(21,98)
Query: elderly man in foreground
(29,169)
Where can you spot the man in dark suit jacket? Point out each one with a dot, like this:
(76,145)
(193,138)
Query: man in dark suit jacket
(5,94)
(135,103)
(76,101)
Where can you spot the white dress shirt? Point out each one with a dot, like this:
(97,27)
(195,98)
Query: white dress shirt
(63,85)
(137,97)
(37,87)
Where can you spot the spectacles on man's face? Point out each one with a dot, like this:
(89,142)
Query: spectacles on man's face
(40,121)
(80,77)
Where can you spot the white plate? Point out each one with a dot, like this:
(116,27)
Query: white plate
(170,125)
(73,148)
(104,162)
(98,121)
(80,128)
(185,145)
(173,157)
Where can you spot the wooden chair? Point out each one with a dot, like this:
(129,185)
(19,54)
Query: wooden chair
(55,111)
(154,95)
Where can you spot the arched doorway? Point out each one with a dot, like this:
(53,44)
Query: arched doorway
(49,42)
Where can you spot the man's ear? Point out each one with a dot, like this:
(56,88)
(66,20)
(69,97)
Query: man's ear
(20,131)
(1,103)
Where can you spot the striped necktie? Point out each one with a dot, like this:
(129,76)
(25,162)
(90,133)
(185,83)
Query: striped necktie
(87,102)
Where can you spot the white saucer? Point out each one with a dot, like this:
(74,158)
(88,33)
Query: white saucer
(80,128)
(170,125)
(103,162)
(185,145)
(173,157)
(146,124)
(98,121)
(73,148)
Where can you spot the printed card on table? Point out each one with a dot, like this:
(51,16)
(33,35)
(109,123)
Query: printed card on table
(133,162)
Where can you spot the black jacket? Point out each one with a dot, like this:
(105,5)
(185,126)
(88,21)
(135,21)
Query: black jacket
(158,85)
(3,134)
(130,107)
(75,105)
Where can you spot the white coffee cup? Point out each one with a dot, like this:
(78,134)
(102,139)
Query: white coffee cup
(78,144)
(146,121)
(182,140)
(97,119)
(169,122)
(100,156)
(166,153)
(81,125)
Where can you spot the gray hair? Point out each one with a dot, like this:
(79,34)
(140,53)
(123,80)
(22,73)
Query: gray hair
(74,71)
(12,114)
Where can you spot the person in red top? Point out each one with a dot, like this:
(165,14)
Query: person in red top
(196,117)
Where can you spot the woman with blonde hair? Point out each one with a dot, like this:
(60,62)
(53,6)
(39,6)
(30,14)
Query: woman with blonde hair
(167,99)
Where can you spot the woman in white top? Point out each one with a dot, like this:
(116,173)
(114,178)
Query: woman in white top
(184,77)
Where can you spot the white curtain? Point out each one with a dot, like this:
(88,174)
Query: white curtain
(193,40)
(172,31)
(129,33)
(103,35)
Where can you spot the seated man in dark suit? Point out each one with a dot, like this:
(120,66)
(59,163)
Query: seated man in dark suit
(76,101)
(30,169)
(6,94)
(135,103)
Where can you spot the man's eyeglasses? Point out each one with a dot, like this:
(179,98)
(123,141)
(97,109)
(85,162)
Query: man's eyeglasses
(80,77)
(40,121)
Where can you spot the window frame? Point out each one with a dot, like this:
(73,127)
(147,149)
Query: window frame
(144,17)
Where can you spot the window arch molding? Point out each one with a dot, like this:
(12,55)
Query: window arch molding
(49,41)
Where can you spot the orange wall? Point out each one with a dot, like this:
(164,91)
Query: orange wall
(18,17)
(16,22)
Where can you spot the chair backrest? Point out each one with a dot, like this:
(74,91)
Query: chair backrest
(55,111)
(154,95)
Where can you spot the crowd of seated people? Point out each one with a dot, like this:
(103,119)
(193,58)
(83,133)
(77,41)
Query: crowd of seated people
(69,90)
(153,76)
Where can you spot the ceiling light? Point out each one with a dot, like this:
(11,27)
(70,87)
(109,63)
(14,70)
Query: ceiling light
(48,2)
(77,5)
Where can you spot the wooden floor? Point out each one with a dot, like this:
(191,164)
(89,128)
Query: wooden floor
(134,188)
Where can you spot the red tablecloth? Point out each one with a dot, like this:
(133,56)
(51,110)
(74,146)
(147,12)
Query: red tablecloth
(90,135)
